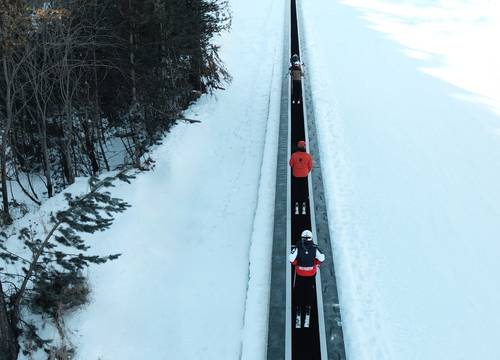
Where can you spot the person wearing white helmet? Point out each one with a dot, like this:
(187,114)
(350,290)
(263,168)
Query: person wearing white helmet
(306,258)
(296,72)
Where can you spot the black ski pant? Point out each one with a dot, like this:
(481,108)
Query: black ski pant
(296,90)
(304,290)
(300,190)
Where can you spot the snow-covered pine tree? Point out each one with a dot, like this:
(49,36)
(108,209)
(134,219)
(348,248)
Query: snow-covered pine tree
(55,263)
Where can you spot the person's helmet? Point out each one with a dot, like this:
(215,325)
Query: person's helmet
(307,235)
(301,144)
(295,58)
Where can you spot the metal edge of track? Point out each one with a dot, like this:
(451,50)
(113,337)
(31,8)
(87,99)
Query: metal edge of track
(279,322)
(312,212)
(319,293)
(288,332)
(334,342)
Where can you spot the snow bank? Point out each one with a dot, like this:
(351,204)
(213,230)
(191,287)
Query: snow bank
(181,287)
(411,162)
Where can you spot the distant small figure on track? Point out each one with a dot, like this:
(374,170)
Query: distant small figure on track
(296,73)
(306,257)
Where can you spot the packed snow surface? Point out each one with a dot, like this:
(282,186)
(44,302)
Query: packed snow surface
(407,101)
(407,98)
(193,278)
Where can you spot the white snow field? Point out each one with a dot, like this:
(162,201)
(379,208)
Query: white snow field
(407,100)
(193,280)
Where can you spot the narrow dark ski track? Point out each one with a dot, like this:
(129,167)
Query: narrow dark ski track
(324,338)
(305,341)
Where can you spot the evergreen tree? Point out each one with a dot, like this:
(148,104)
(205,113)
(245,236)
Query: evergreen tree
(56,261)
(76,74)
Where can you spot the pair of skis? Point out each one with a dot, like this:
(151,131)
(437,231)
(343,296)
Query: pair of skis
(304,208)
(298,317)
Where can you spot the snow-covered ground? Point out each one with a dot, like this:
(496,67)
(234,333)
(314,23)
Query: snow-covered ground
(193,278)
(407,103)
(407,98)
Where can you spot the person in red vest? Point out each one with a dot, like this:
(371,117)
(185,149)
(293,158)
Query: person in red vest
(306,258)
(301,163)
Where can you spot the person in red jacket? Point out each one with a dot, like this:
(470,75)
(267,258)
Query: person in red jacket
(306,258)
(301,163)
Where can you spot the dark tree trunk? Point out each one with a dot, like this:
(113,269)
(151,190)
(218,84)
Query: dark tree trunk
(134,113)
(103,153)
(7,219)
(67,130)
(9,347)
(46,161)
(97,111)
(89,145)
(3,146)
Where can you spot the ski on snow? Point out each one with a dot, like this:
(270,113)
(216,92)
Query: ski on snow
(307,316)
(298,317)
(297,208)
(298,320)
